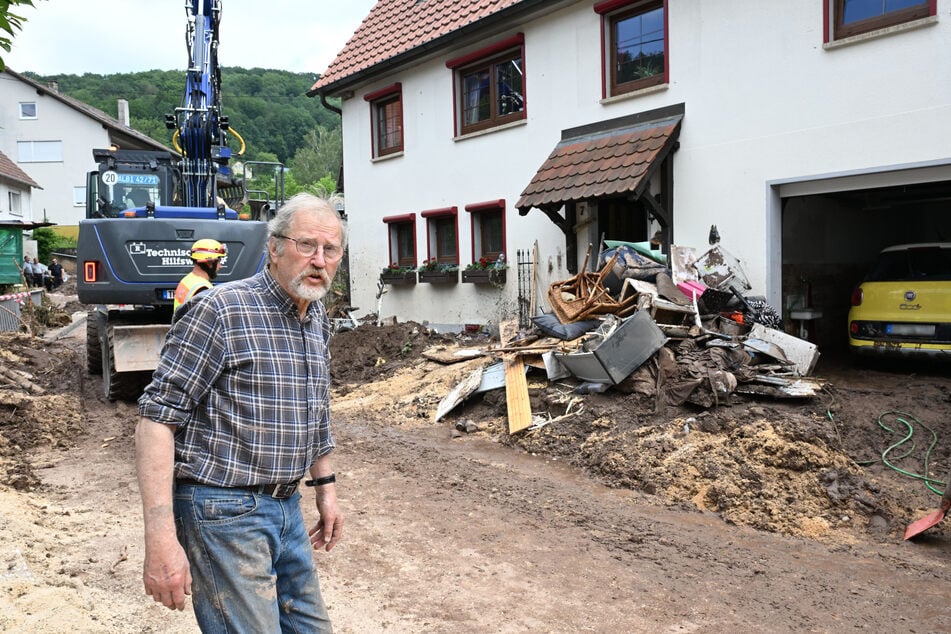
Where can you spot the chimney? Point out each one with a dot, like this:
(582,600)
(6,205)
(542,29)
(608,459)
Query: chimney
(124,112)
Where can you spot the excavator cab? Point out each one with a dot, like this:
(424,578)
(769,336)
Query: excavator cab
(129,179)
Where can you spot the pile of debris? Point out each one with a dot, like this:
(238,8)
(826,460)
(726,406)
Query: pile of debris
(683,332)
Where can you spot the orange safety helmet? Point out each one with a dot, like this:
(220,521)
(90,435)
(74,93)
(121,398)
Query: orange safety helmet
(206,249)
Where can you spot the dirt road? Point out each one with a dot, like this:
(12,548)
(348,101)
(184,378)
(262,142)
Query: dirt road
(456,533)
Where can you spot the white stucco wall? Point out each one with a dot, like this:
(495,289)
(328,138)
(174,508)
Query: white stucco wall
(765,101)
(54,122)
(25,214)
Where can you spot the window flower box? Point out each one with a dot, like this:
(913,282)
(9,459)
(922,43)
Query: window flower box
(432,272)
(439,277)
(398,278)
(496,277)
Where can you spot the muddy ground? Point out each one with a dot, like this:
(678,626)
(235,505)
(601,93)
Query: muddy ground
(774,515)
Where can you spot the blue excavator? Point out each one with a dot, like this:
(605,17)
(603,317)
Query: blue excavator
(146,208)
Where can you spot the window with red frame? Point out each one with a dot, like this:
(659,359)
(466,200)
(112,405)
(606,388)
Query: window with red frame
(490,85)
(635,37)
(402,239)
(488,230)
(441,234)
(854,17)
(386,107)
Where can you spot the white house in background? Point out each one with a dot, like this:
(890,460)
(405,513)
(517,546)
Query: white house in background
(52,136)
(811,134)
(16,189)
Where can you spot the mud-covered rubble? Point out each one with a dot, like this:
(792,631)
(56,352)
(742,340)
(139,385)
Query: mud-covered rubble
(39,403)
(707,339)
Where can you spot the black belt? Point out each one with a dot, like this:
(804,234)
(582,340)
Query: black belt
(278,491)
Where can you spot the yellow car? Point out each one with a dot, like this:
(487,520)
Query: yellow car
(903,307)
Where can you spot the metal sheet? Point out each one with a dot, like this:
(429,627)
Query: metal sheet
(493,378)
(137,348)
(631,344)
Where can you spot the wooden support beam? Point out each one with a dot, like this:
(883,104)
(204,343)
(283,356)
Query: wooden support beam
(516,395)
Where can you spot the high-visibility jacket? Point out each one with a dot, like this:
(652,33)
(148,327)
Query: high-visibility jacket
(190,286)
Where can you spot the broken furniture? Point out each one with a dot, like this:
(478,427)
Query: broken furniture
(611,357)
(584,295)
(674,319)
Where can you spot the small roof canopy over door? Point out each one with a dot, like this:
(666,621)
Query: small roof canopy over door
(615,158)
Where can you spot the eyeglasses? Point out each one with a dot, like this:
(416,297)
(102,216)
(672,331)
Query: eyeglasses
(307,248)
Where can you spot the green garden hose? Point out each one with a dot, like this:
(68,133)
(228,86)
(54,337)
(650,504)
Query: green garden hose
(904,418)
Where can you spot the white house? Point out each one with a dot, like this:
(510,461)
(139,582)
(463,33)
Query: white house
(52,135)
(16,188)
(812,134)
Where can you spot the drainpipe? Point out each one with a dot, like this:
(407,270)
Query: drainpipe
(329,106)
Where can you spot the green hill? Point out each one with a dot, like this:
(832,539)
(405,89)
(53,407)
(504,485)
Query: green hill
(268,108)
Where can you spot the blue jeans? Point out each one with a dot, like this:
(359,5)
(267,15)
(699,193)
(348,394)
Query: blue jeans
(251,562)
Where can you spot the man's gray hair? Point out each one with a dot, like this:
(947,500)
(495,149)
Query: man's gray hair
(281,222)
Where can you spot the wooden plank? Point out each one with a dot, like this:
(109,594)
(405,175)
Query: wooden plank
(516,395)
(459,393)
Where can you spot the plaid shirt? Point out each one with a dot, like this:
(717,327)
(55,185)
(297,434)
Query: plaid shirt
(247,383)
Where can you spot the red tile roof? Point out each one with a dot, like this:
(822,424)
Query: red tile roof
(395,27)
(12,171)
(599,164)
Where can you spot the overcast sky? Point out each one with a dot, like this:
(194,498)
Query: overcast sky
(119,36)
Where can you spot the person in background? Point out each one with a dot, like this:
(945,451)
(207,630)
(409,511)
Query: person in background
(207,255)
(27,271)
(56,273)
(238,411)
(40,273)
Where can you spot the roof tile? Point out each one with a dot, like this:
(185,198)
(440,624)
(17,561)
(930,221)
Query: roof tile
(394,27)
(603,164)
(12,171)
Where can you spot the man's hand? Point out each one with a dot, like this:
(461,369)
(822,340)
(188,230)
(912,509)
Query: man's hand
(329,528)
(166,574)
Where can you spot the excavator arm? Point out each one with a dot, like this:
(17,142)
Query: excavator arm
(200,129)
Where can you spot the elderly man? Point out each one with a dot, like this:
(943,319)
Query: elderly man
(237,413)
(27,270)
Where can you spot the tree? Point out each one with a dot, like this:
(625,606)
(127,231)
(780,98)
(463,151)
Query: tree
(9,23)
(320,156)
(48,241)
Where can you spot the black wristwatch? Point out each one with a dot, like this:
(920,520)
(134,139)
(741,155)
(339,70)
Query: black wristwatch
(319,482)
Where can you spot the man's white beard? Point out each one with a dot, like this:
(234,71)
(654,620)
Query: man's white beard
(309,293)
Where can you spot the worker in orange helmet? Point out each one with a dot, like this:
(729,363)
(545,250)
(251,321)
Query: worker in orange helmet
(207,255)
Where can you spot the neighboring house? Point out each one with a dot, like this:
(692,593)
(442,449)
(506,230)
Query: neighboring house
(15,217)
(16,188)
(52,136)
(812,134)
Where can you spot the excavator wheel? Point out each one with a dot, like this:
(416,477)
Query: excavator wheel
(120,386)
(93,346)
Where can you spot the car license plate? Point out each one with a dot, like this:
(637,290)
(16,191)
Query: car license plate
(168,294)
(915,330)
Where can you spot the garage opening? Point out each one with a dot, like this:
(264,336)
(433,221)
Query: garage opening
(832,230)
